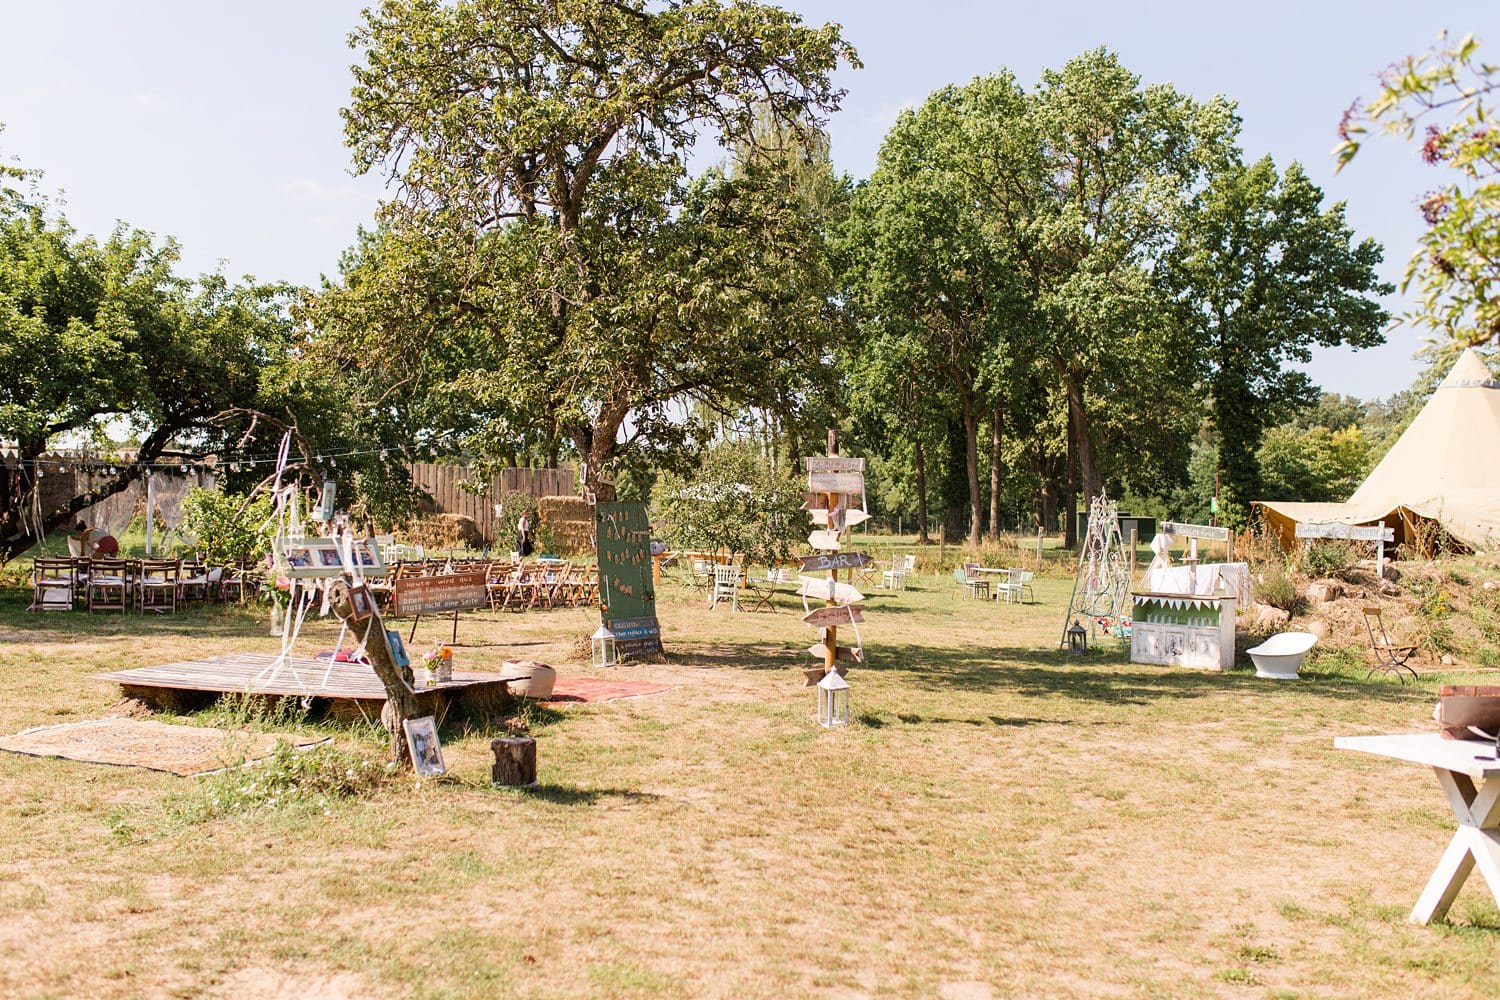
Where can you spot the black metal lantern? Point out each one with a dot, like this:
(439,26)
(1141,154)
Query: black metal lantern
(1078,638)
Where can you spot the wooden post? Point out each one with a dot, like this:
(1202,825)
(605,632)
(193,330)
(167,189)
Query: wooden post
(515,761)
(831,634)
(1133,542)
(401,701)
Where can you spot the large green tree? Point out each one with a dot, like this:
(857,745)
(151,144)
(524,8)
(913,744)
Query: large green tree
(1263,272)
(101,336)
(543,147)
(924,264)
(1122,159)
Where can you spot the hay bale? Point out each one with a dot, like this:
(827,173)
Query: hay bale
(554,510)
(446,531)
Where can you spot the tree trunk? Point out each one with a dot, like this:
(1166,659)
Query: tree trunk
(922,538)
(401,702)
(996,437)
(971,467)
(1048,504)
(1088,467)
(1070,488)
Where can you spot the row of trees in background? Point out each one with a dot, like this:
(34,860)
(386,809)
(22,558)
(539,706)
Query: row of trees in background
(1040,291)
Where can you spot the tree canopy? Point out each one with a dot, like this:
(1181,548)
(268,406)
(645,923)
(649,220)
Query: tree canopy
(539,152)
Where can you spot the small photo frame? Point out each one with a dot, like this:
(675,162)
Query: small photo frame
(398,648)
(364,554)
(426,751)
(329,557)
(362,602)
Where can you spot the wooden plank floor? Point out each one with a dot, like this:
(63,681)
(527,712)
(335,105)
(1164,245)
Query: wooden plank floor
(249,673)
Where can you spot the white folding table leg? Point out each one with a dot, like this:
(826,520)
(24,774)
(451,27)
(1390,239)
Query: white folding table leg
(1475,841)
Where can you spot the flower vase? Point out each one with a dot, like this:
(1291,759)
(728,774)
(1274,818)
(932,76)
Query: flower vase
(425,676)
(445,670)
(276,622)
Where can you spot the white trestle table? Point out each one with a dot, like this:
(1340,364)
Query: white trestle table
(1470,777)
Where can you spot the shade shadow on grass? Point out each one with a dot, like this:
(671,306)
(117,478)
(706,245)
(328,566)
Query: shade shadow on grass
(572,795)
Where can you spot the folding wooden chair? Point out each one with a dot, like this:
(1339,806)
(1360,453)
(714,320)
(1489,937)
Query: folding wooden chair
(156,585)
(109,585)
(1389,657)
(194,583)
(52,585)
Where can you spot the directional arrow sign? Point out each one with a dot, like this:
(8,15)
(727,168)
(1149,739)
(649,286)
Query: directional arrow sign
(835,560)
(846,653)
(828,590)
(815,501)
(826,540)
(835,482)
(839,614)
(815,674)
(833,463)
(853,517)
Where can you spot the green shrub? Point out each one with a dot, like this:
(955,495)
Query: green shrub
(287,778)
(225,527)
(1331,558)
(1278,590)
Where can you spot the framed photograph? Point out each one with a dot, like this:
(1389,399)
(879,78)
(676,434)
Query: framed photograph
(426,752)
(362,602)
(398,648)
(328,556)
(299,557)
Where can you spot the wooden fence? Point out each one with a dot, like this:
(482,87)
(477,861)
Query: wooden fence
(442,482)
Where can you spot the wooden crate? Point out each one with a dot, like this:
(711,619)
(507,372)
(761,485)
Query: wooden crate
(1463,705)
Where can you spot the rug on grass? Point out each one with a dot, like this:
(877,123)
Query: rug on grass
(573,690)
(182,750)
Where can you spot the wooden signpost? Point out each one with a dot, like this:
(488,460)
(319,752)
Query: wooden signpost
(1196,533)
(1208,532)
(834,615)
(824,561)
(434,595)
(835,500)
(847,518)
(1377,533)
(825,539)
(438,595)
(836,482)
(829,589)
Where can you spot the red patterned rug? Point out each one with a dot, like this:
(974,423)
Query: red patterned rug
(576,690)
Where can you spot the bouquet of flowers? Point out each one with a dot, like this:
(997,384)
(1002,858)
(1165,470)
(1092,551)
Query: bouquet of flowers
(274,588)
(438,662)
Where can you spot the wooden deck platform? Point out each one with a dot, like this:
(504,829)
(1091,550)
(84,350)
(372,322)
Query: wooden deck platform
(249,673)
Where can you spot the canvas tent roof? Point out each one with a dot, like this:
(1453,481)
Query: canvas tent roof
(1442,469)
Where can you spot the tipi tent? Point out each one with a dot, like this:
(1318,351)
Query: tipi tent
(1445,468)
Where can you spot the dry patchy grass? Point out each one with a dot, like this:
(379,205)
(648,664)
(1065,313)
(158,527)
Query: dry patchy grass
(1000,820)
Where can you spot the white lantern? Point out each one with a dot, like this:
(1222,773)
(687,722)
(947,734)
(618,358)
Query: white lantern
(603,644)
(833,700)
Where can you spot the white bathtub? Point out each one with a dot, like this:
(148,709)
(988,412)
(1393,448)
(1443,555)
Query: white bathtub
(1281,655)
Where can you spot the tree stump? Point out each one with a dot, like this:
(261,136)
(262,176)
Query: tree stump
(515,761)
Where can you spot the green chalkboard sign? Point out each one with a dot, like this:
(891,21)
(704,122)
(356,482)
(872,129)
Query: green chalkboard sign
(627,596)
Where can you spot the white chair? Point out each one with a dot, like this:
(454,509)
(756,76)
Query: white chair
(726,587)
(895,577)
(1008,586)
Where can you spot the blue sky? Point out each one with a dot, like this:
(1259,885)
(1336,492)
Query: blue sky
(218,122)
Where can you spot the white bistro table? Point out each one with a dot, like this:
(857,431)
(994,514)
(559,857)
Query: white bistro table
(1470,777)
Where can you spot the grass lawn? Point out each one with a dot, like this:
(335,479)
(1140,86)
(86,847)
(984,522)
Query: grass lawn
(999,821)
